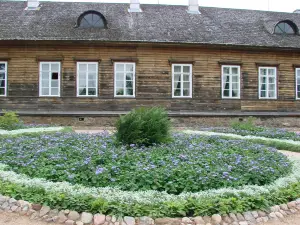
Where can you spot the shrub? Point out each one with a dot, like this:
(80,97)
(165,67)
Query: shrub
(247,125)
(10,121)
(144,126)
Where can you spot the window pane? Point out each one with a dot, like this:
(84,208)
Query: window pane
(298,94)
(120,76)
(82,83)
(2,66)
(120,91)
(2,91)
(45,75)
(92,67)
(54,83)
(186,92)
(2,75)
(235,79)
(177,85)
(271,80)
(235,93)
(129,84)
(54,91)
(129,67)
(82,91)
(263,94)
(45,91)
(119,84)
(226,93)
(92,83)
(186,77)
(186,85)
(82,75)
(45,83)
(271,87)
(226,70)
(129,91)
(177,69)
(45,67)
(298,87)
(263,80)
(271,94)
(92,91)
(82,67)
(54,67)
(263,87)
(263,72)
(92,76)
(235,86)
(271,72)
(186,69)
(120,67)
(2,83)
(177,92)
(177,77)
(129,76)
(234,70)
(54,76)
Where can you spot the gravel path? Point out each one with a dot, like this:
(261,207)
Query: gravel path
(15,219)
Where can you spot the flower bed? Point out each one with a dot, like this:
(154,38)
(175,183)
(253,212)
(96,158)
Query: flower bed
(188,164)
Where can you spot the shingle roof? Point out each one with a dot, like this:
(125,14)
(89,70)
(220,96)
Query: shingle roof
(157,23)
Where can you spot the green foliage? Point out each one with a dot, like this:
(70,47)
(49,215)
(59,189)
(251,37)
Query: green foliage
(192,207)
(10,121)
(247,125)
(144,126)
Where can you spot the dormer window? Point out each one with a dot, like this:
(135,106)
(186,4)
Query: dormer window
(91,19)
(286,27)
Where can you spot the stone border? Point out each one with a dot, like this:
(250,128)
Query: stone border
(67,217)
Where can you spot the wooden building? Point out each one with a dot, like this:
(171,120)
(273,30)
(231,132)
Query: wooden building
(70,59)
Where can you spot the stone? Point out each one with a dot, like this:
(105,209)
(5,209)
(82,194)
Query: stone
(73,215)
(284,207)
(12,201)
(70,222)
(99,219)
(279,215)
(292,205)
(53,212)
(227,219)
(108,218)
(223,223)
(275,208)
(20,203)
(62,217)
(36,207)
(248,216)
(235,223)
(86,217)
(79,223)
(259,220)
(207,219)
(293,211)
(265,219)
(55,219)
(2,199)
(30,212)
(45,217)
(129,220)
(255,214)
(272,216)
(240,217)
(233,216)
(243,223)
(34,216)
(113,219)
(49,220)
(283,212)
(44,210)
(14,208)
(297,201)
(4,205)
(216,219)
(167,221)
(199,220)
(186,220)
(261,213)
(66,211)
(146,220)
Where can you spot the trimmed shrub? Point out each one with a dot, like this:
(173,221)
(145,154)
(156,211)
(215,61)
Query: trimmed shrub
(144,126)
(10,121)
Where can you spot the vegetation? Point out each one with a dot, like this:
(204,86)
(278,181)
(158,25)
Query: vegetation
(188,164)
(10,121)
(144,126)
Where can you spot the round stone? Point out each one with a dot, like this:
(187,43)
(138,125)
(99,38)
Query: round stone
(86,217)
(216,219)
(73,215)
(99,219)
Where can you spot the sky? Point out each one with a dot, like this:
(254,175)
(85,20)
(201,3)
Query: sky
(272,5)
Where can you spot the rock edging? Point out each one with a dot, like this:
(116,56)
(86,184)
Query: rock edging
(68,217)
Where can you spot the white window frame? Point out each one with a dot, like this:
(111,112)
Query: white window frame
(190,80)
(230,81)
(40,79)
(297,70)
(267,82)
(77,79)
(115,80)
(5,82)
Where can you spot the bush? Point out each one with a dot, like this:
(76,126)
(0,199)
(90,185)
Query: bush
(247,125)
(10,121)
(144,126)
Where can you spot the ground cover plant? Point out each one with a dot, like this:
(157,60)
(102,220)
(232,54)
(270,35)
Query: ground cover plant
(190,163)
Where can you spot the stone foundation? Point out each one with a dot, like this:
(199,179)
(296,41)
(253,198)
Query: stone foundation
(68,217)
(178,121)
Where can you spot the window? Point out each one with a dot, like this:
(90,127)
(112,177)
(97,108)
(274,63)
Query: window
(87,78)
(124,79)
(230,81)
(297,83)
(49,78)
(285,27)
(3,78)
(181,80)
(92,19)
(267,83)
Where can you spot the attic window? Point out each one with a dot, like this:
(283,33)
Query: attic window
(286,27)
(91,19)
